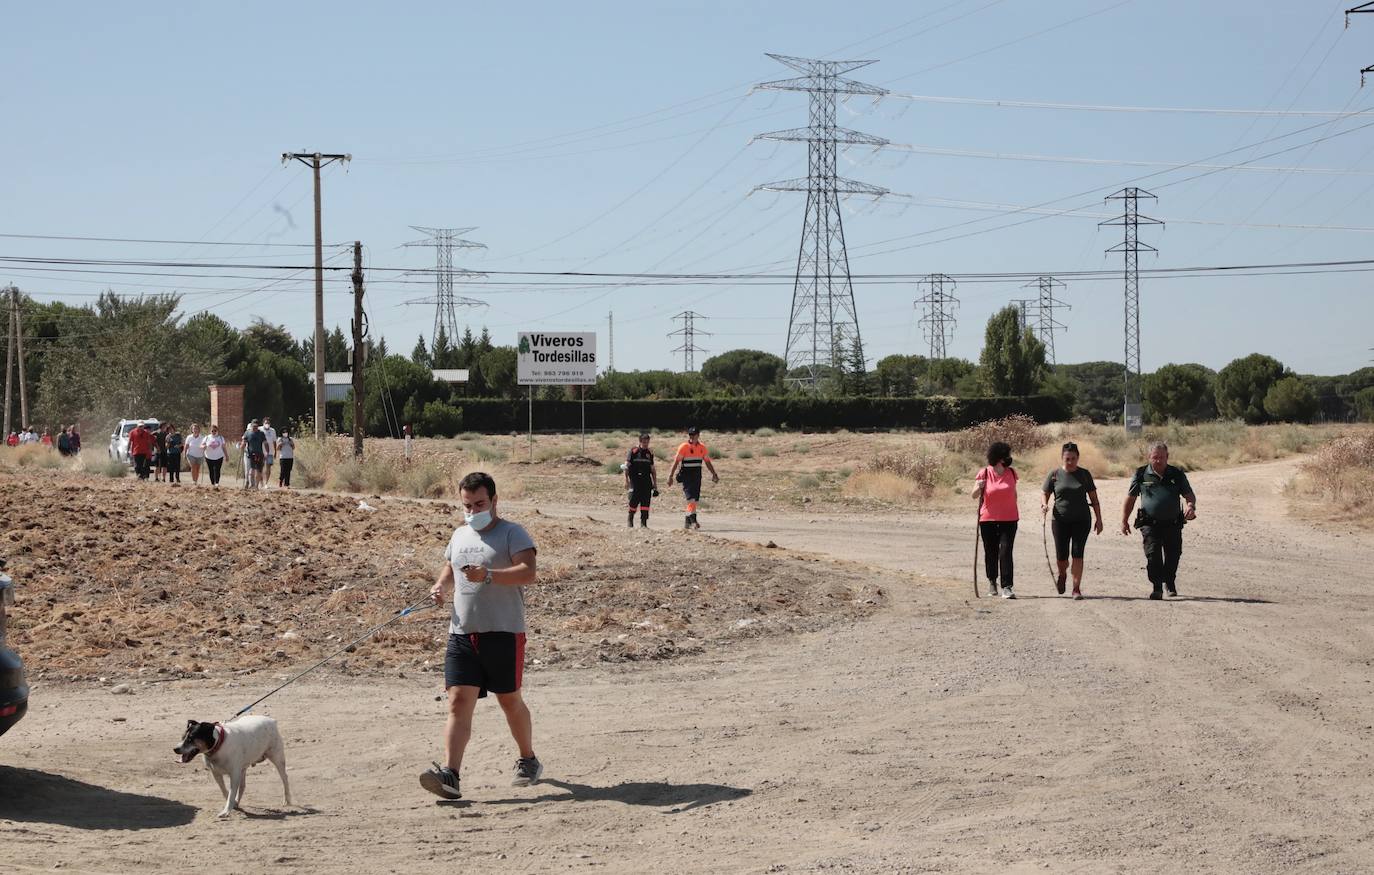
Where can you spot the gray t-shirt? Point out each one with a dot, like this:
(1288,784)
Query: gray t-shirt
(1071,490)
(480,607)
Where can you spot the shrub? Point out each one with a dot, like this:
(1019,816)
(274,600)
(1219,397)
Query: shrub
(1018,431)
(808,481)
(427,480)
(486,453)
(380,474)
(347,476)
(921,470)
(744,454)
(440,419)
(715,453)
(106,467)
(608,468)
(764,432)
(610,443)
(768,452)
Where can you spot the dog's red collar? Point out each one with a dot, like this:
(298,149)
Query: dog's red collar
(219,739)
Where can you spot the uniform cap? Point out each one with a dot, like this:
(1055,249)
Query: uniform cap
(694,430)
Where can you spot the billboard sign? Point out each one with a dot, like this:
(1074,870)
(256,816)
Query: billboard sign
(556,358)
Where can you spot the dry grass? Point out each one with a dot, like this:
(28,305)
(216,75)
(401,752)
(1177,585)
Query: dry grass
(1021,433)
(1338,481)
(30,456)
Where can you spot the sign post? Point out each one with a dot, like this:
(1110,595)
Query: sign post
(556,358)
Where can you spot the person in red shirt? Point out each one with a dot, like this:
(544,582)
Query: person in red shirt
(141,448)
(13,439)
(995,490)
(687,464)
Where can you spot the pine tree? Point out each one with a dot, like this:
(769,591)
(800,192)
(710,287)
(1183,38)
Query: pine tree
(420,355)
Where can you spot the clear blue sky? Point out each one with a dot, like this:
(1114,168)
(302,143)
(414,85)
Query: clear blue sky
(614,137)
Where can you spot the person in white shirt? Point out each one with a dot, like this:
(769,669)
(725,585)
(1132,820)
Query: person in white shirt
(269,450)
(195,451)
(214,453)
(286,452)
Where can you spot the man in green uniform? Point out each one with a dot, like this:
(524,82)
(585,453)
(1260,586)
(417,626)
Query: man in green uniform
(1159,486)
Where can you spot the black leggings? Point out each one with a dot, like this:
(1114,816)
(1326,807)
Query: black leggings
(284,476)
(1070,538)
(173,462)
(213,466)
(997,540)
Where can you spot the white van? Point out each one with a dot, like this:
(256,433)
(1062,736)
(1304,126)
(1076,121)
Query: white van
(119,440)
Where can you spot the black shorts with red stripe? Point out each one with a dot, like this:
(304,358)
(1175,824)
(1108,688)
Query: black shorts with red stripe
(490,661)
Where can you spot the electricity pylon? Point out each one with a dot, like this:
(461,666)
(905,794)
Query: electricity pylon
(1130,246)
(688,332)
(1045,324)
(446,303)
(938,322)
(824,320)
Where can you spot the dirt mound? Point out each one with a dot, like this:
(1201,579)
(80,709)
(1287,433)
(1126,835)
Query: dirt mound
(128,578)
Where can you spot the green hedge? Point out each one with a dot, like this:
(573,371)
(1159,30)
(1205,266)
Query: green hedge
(737,414)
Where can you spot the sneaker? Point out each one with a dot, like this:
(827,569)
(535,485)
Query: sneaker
(1060,581)
(1007,593)
(1077,596)
(441,781)
(1156,595)
(992,591)
(1172,591)
(695,524)
(528,770)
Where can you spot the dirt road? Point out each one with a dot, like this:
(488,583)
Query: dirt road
(1227,731)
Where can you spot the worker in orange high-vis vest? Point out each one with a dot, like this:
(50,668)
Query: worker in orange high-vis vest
(686,470)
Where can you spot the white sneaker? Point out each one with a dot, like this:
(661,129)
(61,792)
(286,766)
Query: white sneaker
(1007,593)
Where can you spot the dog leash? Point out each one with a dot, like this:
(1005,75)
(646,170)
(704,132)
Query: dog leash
(422,604)
(1045,542)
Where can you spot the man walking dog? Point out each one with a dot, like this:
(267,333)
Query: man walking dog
(1159,486)
(491,560)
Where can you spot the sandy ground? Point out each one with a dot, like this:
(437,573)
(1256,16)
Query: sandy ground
(1227,731)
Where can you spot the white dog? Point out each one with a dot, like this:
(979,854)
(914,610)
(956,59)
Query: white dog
(230,748)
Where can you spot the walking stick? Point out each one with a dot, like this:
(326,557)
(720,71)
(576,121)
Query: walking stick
(977,517)
(1045,542)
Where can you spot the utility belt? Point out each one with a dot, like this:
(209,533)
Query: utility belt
(1143,519)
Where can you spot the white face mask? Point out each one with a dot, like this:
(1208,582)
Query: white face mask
(478,521)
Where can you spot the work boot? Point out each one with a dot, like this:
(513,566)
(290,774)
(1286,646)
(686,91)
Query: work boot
(643,519)
(687,521)
(1156,595)
(631,523)
(695,524)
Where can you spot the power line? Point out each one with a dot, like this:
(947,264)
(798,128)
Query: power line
(1101,107)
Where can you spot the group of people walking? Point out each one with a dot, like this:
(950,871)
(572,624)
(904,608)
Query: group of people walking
(641,477)
(68,441)
(158,452)
(1069,493)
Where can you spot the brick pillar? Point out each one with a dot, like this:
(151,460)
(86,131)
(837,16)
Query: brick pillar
(226,410)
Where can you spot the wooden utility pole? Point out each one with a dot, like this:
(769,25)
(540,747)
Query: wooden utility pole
(359,336)
(9,364)
(19,350)
(315,161)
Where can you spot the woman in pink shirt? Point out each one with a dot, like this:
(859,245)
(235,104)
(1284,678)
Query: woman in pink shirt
(995,490)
